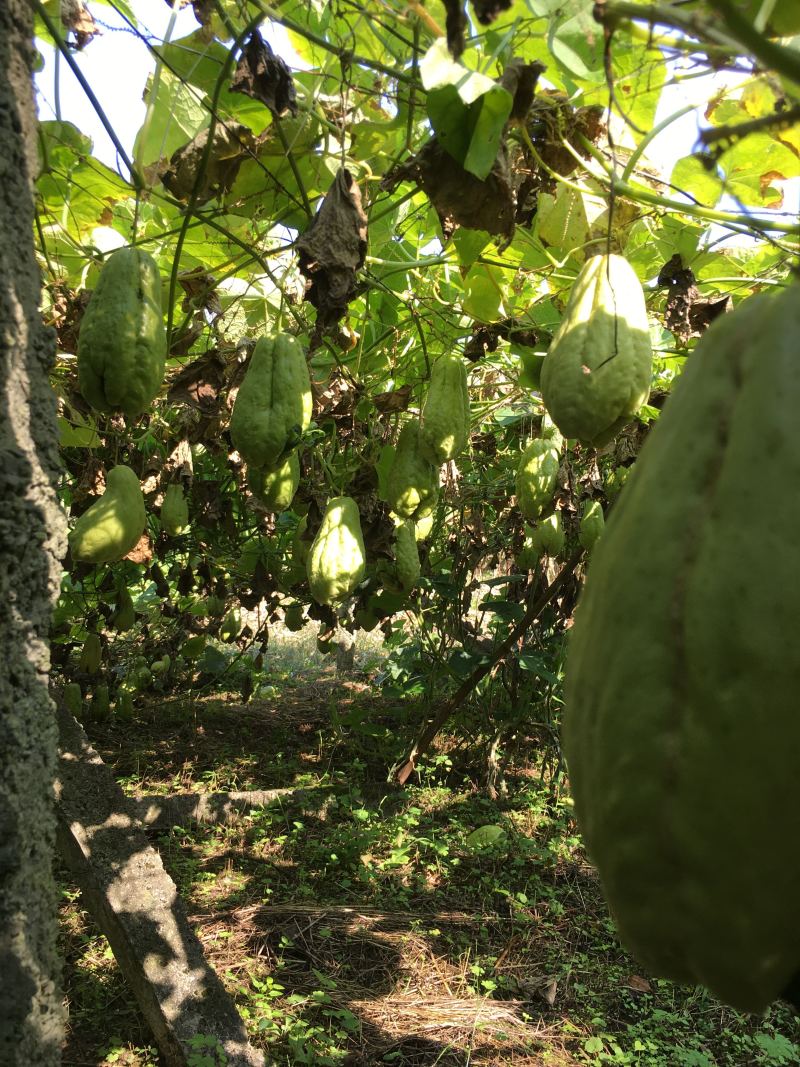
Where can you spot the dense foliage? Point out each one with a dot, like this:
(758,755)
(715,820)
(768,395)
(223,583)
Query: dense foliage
(416,205)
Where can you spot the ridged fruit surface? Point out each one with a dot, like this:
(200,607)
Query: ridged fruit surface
(548,537)
(175,511)
(274,487)
(593,523)
(402,574)
(444,420)
(273,406)
(596,374)
(111,527)
(412,485)
(536,476)
(337,559)
(681,727)
(122,346)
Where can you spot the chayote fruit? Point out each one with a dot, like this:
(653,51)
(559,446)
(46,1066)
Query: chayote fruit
(73,699)
(299,546)
(293,617)
(592,524)
(402,574)
(123,616)
(444,420)
(423,527)
(681,730)
(123,708)
(273,405)
(274,487)
(412,484)
(536,475)
(548,537)
(122,346)
(111,527)
(91,655)
(337,559)
(597,371)
(175,511)
(530,553)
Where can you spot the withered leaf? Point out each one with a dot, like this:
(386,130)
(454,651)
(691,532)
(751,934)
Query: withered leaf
(459,198)
(519,79)
(455,26)
(486,11)
(200,383)
(231,144)
(76,18)
(331,251)
(687,314)
(393,400)
(265,76)
(201,290)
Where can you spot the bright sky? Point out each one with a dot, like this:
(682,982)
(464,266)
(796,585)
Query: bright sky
(119,59)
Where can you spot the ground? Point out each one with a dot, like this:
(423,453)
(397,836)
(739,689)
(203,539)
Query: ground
(355,925)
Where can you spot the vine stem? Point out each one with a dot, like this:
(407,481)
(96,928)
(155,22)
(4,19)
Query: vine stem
(650,137)
(201,169)
(737,30)
(341,53)
(643,196)
(401,772)
(52,29)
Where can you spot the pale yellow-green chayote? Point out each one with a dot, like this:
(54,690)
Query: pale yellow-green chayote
(597,371)
(337,559)
(681,727)
(412,484)
(536,476)
(274,403)
(274,487)
(444,420)
(548,537)
(111,527)
(175,511)
(592,524)
(122,345)
(423,527)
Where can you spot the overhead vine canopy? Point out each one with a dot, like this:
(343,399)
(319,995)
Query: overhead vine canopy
(407,182)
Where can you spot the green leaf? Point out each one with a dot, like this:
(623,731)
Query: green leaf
(691,177)
(483,293)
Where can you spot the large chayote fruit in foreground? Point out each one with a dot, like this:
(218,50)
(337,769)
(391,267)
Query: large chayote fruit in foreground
(122,345)
(596,374)
(274,487)
(337,559)
(681,727)
(536,475)
(444,420)
(111,527)
(273,405)
(412,484)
